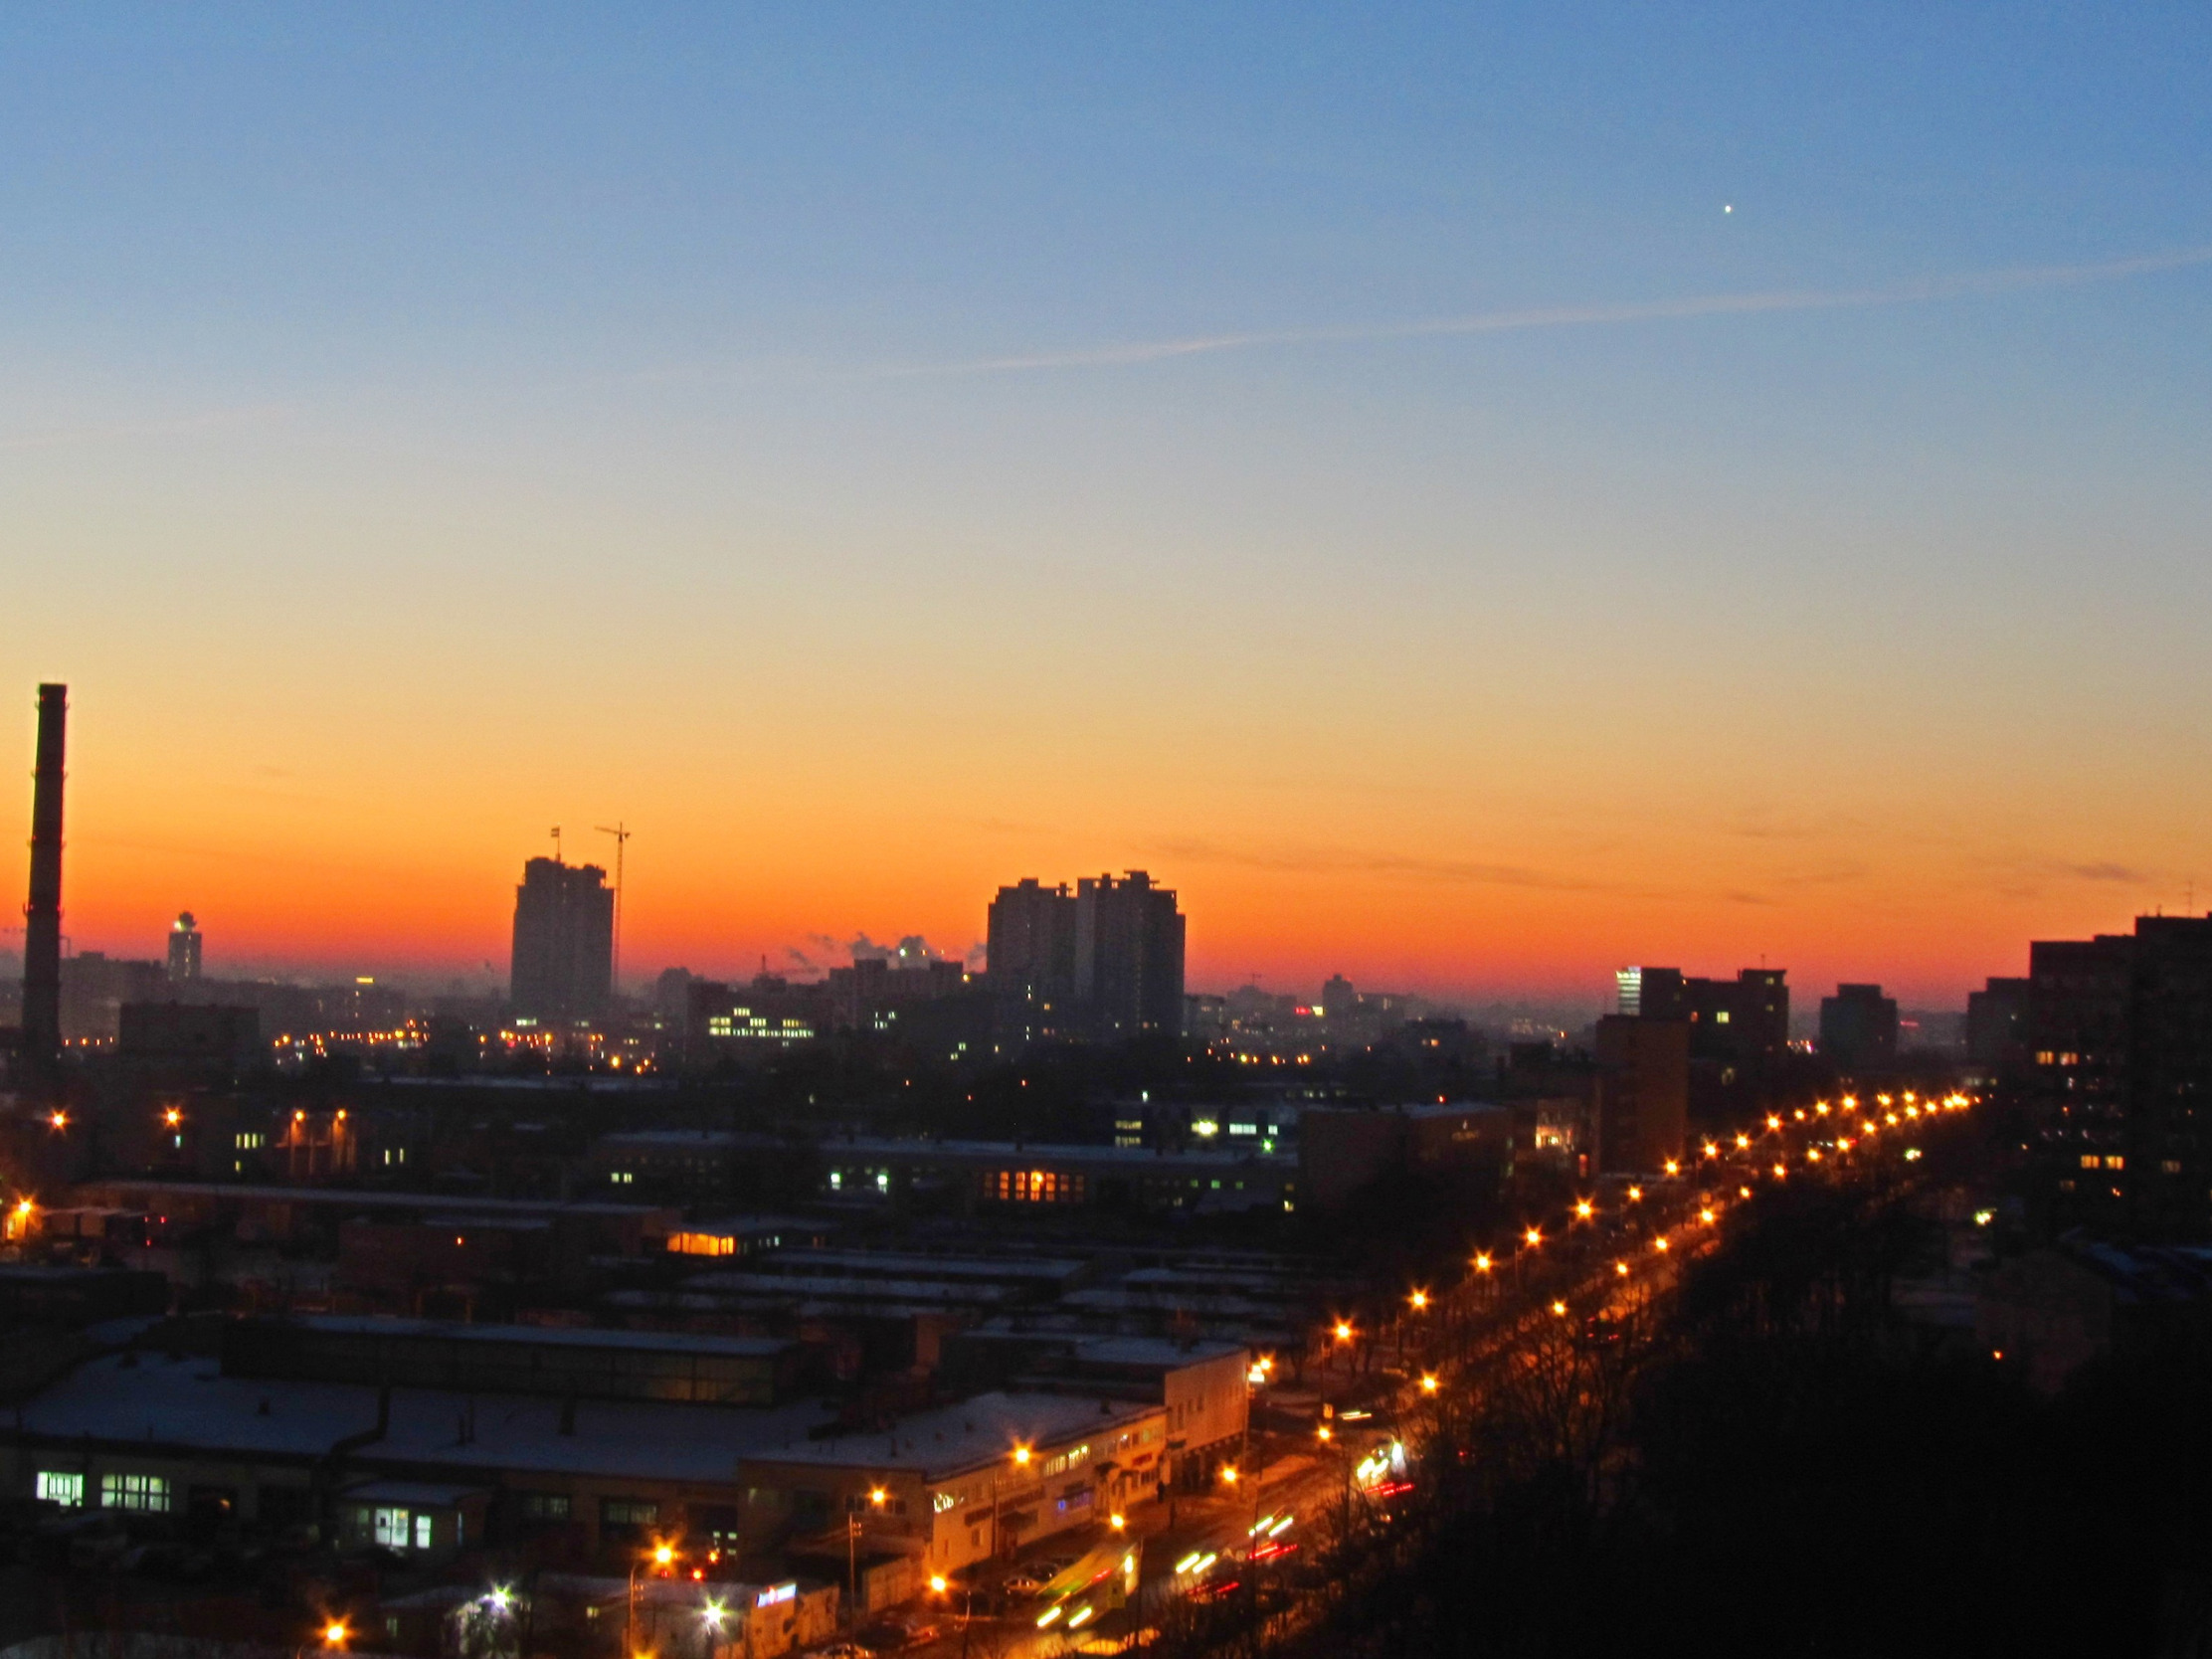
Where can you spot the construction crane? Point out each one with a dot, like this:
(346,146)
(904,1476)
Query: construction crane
(621,839)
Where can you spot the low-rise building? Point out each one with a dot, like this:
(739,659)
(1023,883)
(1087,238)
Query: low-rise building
(966,1482)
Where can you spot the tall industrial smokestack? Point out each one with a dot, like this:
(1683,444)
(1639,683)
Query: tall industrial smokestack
(42,935)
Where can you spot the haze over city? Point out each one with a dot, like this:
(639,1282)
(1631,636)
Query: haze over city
(986,832)
(1470,498)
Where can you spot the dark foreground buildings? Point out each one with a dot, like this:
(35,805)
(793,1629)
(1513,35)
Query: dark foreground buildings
(1858,1027)
(2120,1049)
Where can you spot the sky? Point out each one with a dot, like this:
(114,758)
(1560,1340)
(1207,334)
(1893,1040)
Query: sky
(1470,495)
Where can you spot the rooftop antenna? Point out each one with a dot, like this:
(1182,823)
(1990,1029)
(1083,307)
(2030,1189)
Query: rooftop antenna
(622,840)
(556,843)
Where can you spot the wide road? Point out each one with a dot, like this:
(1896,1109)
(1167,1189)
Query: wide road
(1593,1261)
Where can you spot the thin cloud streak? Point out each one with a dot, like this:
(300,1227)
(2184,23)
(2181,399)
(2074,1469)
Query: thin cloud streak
(1976,284)
(1331,861)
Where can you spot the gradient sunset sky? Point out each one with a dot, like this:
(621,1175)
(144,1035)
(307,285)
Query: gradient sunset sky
(1470,497)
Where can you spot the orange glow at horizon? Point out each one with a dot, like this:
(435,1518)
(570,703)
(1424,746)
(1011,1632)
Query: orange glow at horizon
(293,845)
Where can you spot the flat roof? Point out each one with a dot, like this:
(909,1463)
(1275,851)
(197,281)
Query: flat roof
(974,1434)
(822,1287)
(737,1226)
(411,1492)
(1112,1299)
(1147,1352)
(1009,1151)
(545,1335)
(151,1406)
(916,1264)
(805,1307)
(446,1203)
(46,1273)
(1242,1282)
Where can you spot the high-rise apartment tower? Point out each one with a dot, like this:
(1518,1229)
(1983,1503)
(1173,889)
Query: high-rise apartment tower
(564,942)
(184,950)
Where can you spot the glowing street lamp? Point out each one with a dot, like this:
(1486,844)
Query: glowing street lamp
(1420,1299)
(1635,1195)
(1482,1261)
(1583,1210)
(1559,1308)
(1621,1268)
(336,1633)
(1674,1165)
(1021,1455)
(1533,1238)
(1428,1382)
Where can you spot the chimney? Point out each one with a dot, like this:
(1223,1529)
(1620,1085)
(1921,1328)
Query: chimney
(42,934)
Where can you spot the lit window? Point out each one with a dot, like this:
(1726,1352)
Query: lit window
(2115,1163)
(148,1493)
(62,1486)
(2089,1159)
(421,1532)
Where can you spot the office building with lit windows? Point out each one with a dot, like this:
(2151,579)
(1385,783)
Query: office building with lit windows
(1736,1022)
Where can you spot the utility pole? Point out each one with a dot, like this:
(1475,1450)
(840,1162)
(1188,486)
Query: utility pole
(622,840)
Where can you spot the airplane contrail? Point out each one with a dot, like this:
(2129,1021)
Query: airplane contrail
(1969,285)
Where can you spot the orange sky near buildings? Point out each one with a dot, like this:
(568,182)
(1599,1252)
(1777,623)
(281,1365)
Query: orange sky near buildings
(374,856)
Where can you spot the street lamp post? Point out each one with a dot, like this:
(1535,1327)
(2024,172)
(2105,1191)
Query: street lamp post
(662,1556)
(877,1498)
